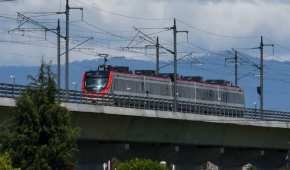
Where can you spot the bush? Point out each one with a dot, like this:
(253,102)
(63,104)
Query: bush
(140,164)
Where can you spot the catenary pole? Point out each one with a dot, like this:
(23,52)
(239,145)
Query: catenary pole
(175,66)
(236,68)
(261,75)
(157,56)
(175,31)
(261,68)
(67,10)
(58,55)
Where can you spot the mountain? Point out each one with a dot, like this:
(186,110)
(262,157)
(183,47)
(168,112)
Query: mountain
(277,84)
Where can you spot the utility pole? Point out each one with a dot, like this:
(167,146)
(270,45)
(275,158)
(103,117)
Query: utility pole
(56,31)
(261,75)
(67,9)
(236,68)
(58,55)
(149,39)
(67,36)
(175,31)
(175,66)
(157,46)
(236,61)
(157,55)
(174,52)
(261,68)
(24,19)
(260,89)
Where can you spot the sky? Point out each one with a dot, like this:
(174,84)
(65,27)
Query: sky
(213,25)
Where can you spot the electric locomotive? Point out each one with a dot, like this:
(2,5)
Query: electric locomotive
(145,83)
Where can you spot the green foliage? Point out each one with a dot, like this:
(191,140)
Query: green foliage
(41,136)
(140,164)
(252,168)
(5,162)
(283,168)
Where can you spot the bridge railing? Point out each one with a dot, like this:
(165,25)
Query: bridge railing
(10,90)
(149,103)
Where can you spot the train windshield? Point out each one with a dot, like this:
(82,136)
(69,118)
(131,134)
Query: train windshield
(96,81)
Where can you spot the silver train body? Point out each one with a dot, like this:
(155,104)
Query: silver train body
(188,91)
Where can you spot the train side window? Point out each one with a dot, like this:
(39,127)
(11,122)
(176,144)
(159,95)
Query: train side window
(138,86)
(214,95)
(197,94)
(185,92)
(167,91)
(142,87)
(119,85)
(211,95)
(234,98)
(226,97)
(208,94)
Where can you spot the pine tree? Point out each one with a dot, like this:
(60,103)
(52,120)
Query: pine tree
(41,135)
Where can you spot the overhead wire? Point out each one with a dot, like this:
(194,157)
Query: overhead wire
(93,5)
(105,31)
(8,17)
(218,54)
(213,33)
(277,44)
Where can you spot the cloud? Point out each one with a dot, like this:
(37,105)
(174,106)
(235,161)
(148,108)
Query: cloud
(216,24)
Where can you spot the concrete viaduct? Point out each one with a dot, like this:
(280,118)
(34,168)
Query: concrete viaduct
(184,139)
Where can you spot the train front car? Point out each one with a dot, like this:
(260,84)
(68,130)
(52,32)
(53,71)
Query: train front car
(96,83)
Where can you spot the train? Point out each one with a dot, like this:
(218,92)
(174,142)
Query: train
(119,80)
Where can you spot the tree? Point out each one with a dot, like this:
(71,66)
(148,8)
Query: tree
(41,135)
(5,162)
(140,164)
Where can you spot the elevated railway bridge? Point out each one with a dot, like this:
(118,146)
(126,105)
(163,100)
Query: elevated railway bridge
(119,127)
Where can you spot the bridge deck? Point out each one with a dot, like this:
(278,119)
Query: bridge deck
(107,123)
(172,115)
(110,110)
